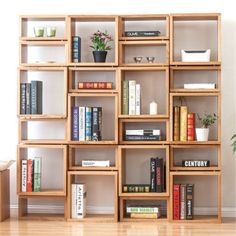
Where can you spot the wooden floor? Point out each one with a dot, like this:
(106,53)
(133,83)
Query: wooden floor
(53,228)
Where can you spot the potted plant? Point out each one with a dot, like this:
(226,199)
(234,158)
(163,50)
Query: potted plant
(100,45)
(207,120)
(234,143)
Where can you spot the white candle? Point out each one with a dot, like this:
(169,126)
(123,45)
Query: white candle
(153,108)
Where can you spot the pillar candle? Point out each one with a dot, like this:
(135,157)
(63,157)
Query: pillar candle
(153,108)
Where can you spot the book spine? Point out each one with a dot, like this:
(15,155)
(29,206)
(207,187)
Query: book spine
(95,85)
(132,100)
(87,163)
(37,174)
(183,201)
(125,100)
(141,33)
(23,98)
(137,99)
(28,96)
(191,126)
(88,123)
(82,123)
(36,97)
(144,215)
(29,175)
(73,201)
(189,197)
(158,175)
(140,188)
(176,202)
(176,123)
(143,138)
(75,123)
(81,200)
(96,126)
(153,174)
(183,123)
(76,49)
(24,175)
(195,163)
(134,209)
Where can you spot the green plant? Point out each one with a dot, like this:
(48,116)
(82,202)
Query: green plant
(100,41)
(207,120)
(234,143)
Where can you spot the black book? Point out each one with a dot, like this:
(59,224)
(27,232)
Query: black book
(97,123)
(153,174)
(189,201)
(195,163)
(142,33)
(36,97)
(23,98)
(159,175)
(28,98)
(142,137)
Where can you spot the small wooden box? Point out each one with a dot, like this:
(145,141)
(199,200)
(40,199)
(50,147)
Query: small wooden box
(4,195)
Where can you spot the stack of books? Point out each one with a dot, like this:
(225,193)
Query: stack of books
(184,124)
(31,175)
(143,134)
(131,92)
(86,123)
(183,201)
(144,212)
(95,85)
(31,97)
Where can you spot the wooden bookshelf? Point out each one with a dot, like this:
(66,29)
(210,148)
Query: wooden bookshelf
(162,81)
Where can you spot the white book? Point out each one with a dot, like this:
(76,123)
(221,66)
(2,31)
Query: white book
(23,175)
(137,99)
(80,200)
(88,163)
(143,132)
(82,123)
(200,86)
(73,201)
(132,100)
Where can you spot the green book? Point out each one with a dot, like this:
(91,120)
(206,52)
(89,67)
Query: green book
(37,174)
(125,100)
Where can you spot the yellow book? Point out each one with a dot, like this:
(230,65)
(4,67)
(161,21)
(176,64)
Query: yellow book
(176,127)
(183,123)
(144,215)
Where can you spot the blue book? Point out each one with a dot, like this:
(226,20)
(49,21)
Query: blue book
(76,49)
(88,124)
(75,124)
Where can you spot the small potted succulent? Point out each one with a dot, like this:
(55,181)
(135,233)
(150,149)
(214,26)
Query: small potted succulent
(206,121)
(233,139)
(100,45)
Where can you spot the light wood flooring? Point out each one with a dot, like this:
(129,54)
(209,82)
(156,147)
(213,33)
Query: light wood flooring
(57,228)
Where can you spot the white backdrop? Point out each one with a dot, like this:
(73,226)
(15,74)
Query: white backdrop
(9,25)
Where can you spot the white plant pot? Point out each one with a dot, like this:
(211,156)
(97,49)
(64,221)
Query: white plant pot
(202,134)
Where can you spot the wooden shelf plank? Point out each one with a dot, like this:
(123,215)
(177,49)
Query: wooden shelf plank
(44,43)
(210,63)
(43,64)
(194,90)
(43,141)
(195,173)
(195,16)
(93,91)
(44,193)
(143,116)
(144,64)
(93,64)
(42,117)
(42,39)
(143,38)
(211,168)
(43,217)
(150,194)
(144,42)
(144,142)
(92,172)
(210,142)
(93,168)
(103,142)
(128,219)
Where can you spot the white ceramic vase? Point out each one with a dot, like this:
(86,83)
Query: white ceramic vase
(202,134)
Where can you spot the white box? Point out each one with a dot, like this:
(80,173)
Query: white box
(195,56)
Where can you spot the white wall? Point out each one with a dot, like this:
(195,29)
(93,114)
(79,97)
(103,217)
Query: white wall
(9,11)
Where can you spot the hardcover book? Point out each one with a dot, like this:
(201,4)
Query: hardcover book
(189,199)
(88,123)
(143,209)
(36,97)
(95,163)
(142,33)
(132,97)
(195,163)
(28,98)
(143,138)
(183,201)
(75,124)
(191,126)
(94,85)
(200,86)
(23,98)
(82,123)
(144,215)
(137,99)
(76,49)
(146,132)
(125,98)
(176,123)
(81,200)
(176,202)
(30,175)
(136,188)
(37,174)
(183,123)
(97,123)
(153,180)
(24,175)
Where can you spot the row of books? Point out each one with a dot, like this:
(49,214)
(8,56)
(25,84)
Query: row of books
(31,175)
(143,212)
(183,201)
(78,201)
(143,134)
(31,96)
(76,49)
(86,123)
(131,99)
(183,124)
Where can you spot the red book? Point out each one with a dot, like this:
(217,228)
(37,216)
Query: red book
(95,85)
(29,175)
(191,126)
(176,202)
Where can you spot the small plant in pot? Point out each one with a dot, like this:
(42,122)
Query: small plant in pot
(100,45)
(206,121)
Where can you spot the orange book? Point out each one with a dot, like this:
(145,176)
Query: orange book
(183,123)
(191,126)
(176,127)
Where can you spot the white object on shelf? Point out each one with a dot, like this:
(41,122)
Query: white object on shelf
(153,108)
(202,134)
(200,86)
(195,56)
(93,163)
(5,164)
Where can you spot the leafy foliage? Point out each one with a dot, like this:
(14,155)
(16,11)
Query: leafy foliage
(100,41)
(207,120)
(234,143)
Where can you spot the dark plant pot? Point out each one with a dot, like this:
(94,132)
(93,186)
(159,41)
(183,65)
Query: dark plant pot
(99,56)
